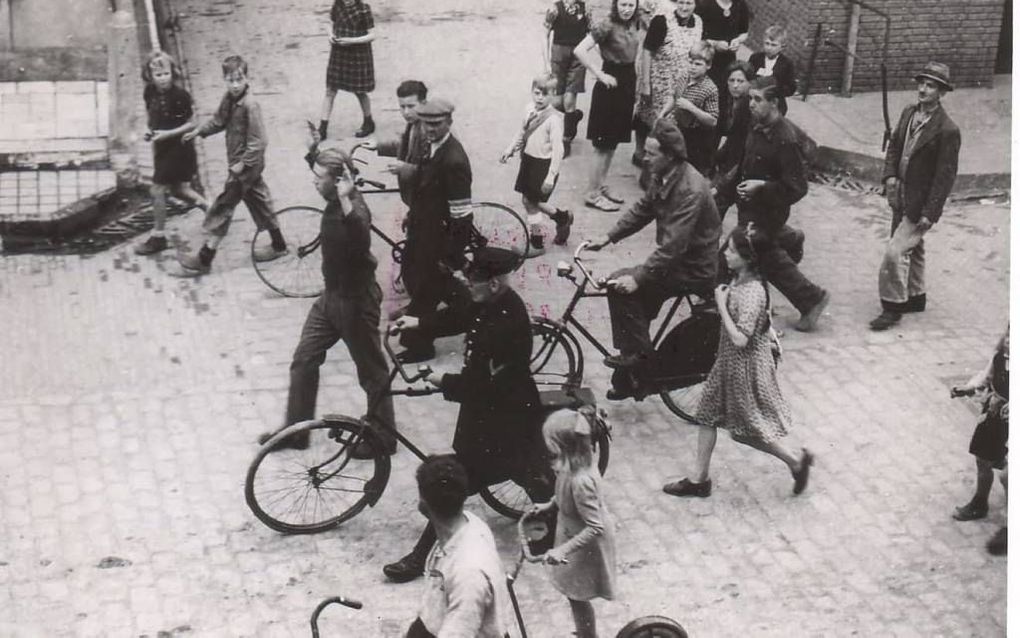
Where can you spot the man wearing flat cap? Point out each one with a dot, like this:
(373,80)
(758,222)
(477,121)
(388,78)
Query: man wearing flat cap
(498,434)
(679,201)
(920,168)
(438,225)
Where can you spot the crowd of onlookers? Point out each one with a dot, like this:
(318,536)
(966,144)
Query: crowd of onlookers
(709,133)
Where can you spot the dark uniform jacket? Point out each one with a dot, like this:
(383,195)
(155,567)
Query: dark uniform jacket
(773,153)
(498,428)
(411,148)
(931,169)
(686,229)
(440,204)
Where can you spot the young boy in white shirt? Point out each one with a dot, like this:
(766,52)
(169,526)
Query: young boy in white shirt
(540,142)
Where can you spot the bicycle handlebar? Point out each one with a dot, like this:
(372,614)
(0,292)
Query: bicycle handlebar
(598,284)
(423,371)
(340,600)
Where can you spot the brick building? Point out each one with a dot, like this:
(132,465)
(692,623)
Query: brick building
(973,36)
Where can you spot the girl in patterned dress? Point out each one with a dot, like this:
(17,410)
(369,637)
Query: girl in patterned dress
(742,392)
(671,34)
(583,558)
(351,67)
(171,114)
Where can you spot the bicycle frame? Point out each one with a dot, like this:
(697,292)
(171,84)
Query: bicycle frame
(581,292)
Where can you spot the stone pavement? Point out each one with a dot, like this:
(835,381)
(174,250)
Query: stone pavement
(129,402)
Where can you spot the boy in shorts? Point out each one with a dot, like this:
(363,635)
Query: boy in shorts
(538,140)
(566,24)
(241,117)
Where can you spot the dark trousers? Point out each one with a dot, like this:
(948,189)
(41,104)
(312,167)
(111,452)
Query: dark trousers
(428,287)
(631,315)
(355,320)
(782,250)
(248,187)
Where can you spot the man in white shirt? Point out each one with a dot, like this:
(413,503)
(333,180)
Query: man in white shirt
(465,593)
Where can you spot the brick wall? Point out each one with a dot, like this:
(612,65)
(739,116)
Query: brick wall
(961,33)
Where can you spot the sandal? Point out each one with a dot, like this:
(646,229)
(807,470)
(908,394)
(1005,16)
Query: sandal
(601,203)
(610,195)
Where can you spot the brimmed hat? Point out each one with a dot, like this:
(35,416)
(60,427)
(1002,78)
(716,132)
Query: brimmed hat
(936,71)
(489,262)
(670,137)
(435,108)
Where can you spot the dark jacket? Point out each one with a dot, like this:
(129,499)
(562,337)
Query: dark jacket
(498,427)
(437,230)
(773,153)
(931,169)
(686,228)
(411,148)
(784,72)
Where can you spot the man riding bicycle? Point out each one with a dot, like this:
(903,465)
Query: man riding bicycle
(687,229)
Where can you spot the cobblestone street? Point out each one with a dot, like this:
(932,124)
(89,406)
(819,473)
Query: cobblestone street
(130,400)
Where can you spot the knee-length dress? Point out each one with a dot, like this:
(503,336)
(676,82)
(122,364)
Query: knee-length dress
(742,392)
(669,44)
(583,526)
(351,67)
(174,161)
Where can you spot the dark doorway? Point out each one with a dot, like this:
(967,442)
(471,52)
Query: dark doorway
(1004,56)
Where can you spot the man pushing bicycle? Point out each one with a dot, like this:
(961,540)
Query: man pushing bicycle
(687,229)
(498,434)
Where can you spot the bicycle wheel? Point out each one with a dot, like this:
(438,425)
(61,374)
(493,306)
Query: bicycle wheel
(509,499)
(316,489)
(652,627)
(498,226)
(556,358)
(299,272)
(684,401)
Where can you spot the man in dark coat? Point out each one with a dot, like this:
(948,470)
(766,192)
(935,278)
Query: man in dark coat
(438,226)
(920,168)
(687,230)
(498,435)
(770,178)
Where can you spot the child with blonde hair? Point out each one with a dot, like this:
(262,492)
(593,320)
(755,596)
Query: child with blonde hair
(583,558)
(171,115)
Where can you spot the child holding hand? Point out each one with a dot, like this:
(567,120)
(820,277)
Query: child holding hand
(583,558)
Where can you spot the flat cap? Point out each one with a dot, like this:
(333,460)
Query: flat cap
(436,107)
(489,262)
(670,138)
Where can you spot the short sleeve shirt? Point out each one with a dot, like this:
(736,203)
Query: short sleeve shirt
(351,20)
(617,42)
(703,94)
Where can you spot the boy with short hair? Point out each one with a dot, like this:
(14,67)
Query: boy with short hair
(241,117)
(566,24)
(772,62)
(411,148)
(541,157)
(695,105)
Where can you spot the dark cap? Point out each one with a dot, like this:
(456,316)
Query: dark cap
(489,262)
(435,108)
(670,138)
(936,71)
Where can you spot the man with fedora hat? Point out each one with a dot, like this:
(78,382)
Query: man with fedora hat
(920,168)
(679,201)
(438,225)
(498,434)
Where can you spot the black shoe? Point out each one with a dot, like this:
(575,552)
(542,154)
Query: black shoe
(917,303)
(405,570)
(564,220)
(800,477)
(152,245)
(996,545)
(687,487)
(884,321)
(416,356)
(619,394)
(293,442)
(619,361)
(367,128)
(970,512)
(536,246)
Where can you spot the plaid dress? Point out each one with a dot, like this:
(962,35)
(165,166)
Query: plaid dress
(351,67)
